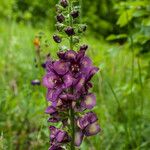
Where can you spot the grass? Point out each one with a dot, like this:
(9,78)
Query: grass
(122,108)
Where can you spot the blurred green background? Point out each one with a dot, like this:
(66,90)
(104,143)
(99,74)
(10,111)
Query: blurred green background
(119,40)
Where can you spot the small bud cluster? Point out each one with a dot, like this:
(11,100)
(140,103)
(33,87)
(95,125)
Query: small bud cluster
(68,83)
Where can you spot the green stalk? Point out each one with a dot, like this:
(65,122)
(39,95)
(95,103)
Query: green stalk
(72,147)
(70,24)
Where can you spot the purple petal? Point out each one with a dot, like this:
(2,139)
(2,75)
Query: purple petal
(53,95)
(60,136)
(92,72)
(53,120)
(48,65)
(53,147)
(50,110)
(56,94)
(68,80)
(49,94)
(82,122)
(86,62)
(91,117)
(89,101)
(70,55)
(80,83)
(92,129)
(49,80)
(78,138)
(53,132)
(61,67)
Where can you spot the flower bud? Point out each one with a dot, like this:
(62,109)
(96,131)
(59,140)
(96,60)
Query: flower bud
(57,39)
(60,18)
(35,82)
(61,54)
(82,28)
(59,26)
(64,3)
(69,31)
(75,40)
(36,42)
(75,14)
(83,47)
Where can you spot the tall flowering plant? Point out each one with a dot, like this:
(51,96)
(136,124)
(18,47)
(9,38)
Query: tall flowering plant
(68,81)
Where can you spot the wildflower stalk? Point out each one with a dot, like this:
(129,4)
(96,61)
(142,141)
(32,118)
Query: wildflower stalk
(72,147)
(68,81)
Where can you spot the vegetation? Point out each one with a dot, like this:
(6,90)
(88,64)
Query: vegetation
(119,45)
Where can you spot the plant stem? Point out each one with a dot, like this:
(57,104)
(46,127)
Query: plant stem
(72,129)
(70,24)
(72,147)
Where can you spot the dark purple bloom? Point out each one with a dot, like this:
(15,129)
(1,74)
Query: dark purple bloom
(57,39)
(75,14)
(64,3)
(87,119)
(35,82)
(69,31)
(58,136)
(60,18)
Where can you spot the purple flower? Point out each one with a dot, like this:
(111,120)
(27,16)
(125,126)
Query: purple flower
(58,136)
(68,82)
(89,101)
(92,129)
(87,123)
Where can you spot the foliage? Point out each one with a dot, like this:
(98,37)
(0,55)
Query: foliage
(134,20)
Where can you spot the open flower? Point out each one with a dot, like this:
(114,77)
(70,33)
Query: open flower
(88,126)
(58,137)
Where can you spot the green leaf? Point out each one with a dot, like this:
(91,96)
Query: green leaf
(115,37)
(125,17)
(146,22)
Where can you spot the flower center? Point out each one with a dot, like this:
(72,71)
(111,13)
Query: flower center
(58,81)
(75,68)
